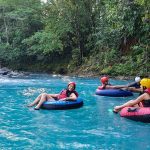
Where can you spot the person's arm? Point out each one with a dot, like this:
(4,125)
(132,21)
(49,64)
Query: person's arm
(72,97)
(133,89)
(132,84)
(116,86)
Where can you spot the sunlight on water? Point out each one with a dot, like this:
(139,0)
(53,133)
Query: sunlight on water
(93,126)
(31,91)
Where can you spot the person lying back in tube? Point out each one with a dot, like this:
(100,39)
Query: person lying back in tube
(106,85)
(136,82)
(136,86)
(67,94)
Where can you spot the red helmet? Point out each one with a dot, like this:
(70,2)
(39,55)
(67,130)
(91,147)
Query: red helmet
(104,79)
(74,84)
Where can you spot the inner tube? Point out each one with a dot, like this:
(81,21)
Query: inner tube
(114,93)
(141,114)
(61,105)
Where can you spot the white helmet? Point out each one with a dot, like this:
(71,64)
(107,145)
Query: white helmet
(137,79)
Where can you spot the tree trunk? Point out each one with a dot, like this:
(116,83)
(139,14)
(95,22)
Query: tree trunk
(5,25)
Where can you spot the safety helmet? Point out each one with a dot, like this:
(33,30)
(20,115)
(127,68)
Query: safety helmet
(137,79)
(145,82)
(74,84)
(104,79)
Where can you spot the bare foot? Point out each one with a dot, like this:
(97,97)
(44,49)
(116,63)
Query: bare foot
(116,109)
(36,108)
(30,105)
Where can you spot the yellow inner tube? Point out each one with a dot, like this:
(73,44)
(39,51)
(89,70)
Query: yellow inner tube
(145,82)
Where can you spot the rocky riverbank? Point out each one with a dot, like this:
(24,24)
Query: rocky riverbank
(78,73)
(85,73)
(10,73)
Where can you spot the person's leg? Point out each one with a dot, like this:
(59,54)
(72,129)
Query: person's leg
(127,104)
(35,101)
(44,97)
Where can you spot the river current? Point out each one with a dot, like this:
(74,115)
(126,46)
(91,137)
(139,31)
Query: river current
(91,127)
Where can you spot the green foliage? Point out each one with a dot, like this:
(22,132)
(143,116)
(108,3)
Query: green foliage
(76,57)
(107,37)
(43,43)
(107,70)
(8,53)
(19,19)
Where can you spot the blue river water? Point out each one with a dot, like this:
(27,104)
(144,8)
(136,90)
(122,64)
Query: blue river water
(91,127)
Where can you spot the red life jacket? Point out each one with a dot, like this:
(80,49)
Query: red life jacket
(64,94)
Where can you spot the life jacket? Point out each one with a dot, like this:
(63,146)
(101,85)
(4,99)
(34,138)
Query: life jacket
(66,93)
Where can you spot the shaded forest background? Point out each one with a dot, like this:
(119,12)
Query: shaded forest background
(80,36)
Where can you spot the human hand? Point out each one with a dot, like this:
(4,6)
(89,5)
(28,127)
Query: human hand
(63,99)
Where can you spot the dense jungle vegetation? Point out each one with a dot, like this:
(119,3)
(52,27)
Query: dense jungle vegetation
(62,36)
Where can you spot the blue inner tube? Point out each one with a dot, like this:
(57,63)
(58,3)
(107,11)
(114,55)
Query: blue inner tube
(61,105)
(114,93)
